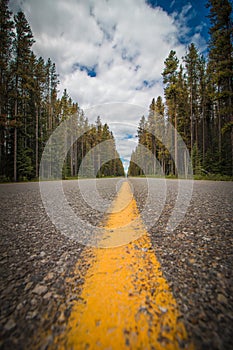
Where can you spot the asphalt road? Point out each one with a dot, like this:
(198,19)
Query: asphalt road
(38,280)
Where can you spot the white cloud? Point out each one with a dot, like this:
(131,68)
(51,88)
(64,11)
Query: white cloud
(126,42)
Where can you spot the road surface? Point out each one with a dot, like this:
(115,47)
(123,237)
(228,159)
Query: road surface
(44,274)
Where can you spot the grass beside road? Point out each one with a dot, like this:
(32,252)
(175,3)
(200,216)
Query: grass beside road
(210,177)
(207,177)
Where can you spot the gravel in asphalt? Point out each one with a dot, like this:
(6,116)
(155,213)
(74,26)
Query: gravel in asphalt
(196,258)
(35,262)
(37,278)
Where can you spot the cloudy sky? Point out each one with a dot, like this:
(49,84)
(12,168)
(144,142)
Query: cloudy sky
(112,52)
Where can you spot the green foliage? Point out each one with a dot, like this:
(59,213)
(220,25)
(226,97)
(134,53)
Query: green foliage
(24,163)
(196,160)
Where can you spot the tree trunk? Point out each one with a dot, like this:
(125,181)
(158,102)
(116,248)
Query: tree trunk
(82,155)
(15,154)
(232,151)
(196,132)
(15,140)
(75,159)
(219,133)
(203,134)
(37,143)
(191,126)
(185,165)
(154,158)
(176,145)
(72,158)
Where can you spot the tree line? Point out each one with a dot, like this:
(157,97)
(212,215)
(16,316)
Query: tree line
(198,103)
(30,110)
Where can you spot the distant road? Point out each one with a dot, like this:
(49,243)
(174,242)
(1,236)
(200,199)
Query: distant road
(39,279)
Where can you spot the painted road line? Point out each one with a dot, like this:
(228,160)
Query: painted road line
(126,302)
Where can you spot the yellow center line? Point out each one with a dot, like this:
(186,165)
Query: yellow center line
(126,302)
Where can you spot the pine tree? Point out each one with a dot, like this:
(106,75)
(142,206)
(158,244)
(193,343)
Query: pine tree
(22,47)
(151,143)
(40,133)
(170,77)
(6,37)
(203,98)
(191,63)
(160,131)
(183,108)
(221,63)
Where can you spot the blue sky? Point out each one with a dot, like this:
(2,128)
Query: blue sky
(197,17)
(110,51)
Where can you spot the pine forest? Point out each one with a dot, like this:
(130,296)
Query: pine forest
(198,104)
